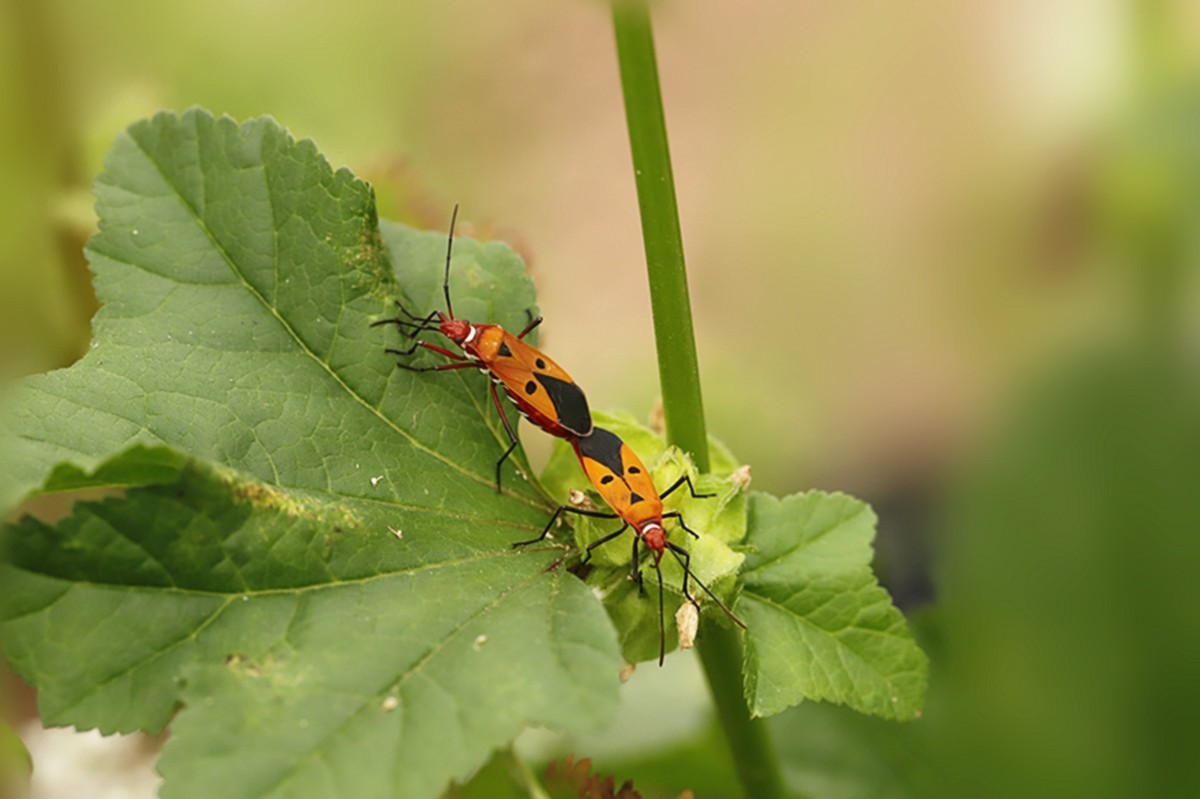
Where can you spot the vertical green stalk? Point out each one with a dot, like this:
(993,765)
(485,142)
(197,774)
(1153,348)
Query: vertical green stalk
(753,753)
(720,648)
(678,369)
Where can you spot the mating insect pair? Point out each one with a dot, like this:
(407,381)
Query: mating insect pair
(547,396)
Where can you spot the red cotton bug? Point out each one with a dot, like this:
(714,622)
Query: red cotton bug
(542,390)
(621,478)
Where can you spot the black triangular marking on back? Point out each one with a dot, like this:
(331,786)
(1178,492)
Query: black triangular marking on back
(570,405)
(635,498)
(504,351)
(603,447)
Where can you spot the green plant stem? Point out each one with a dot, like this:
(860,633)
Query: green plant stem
(678,369)
(754,758)
(720,649)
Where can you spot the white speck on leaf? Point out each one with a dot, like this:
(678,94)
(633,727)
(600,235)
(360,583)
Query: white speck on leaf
(480,640)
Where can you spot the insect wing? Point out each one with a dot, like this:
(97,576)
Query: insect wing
(612,488)
(538,382)
(619,476)
(637,477)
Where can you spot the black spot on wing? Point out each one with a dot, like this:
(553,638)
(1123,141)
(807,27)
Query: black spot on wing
(540,363)
(570,404)
(635,498)
(604,447)
(504,351)
(531,387)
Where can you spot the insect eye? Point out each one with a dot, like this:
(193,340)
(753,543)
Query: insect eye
(608,478)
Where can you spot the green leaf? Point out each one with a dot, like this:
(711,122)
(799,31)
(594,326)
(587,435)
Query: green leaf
(308,531)
(820,627)
(309,645)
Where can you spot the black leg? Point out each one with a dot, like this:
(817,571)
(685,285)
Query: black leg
(512,436)
(412,348)
(635,566)
(686,562)
(500,463)
(441,367)
(587,555)
(691,488)
(675,515)
(418,323)
(564,509)
(662,625)
(636,575)
(408,328)
(459,361)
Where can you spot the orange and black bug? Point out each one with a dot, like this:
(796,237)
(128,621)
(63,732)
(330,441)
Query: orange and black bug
(542,390)
(621,478)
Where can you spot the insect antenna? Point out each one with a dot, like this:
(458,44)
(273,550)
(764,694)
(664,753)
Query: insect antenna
(449,249)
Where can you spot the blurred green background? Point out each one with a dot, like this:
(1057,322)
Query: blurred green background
(943,256)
